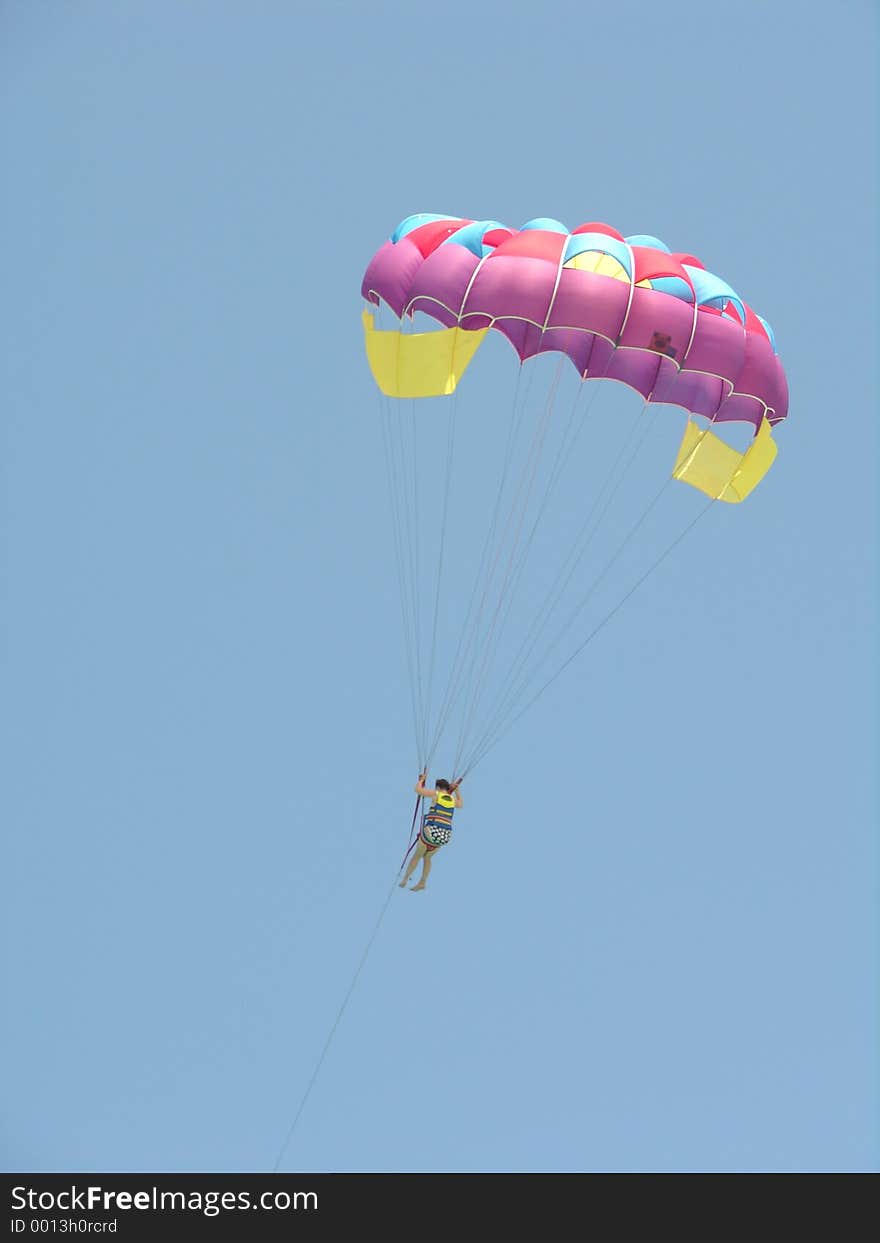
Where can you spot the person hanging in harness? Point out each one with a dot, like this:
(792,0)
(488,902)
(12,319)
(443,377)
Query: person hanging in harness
(436,827)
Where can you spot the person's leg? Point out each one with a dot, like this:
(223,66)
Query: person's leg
(411,867)
(426,868)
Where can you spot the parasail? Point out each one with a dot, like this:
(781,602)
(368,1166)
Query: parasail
(617,308)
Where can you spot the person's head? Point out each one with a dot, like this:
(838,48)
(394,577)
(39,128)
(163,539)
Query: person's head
(443,784)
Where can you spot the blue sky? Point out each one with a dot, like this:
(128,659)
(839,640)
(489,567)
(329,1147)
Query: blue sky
(653,942)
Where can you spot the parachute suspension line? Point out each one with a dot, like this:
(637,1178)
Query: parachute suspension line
(413,524)
(473,649)
(404,457)
(410,509)
(572,432)
(484,650)
(563,456)
(394,491)
(479,756)
(402,497)
(588,530)
(516,516)
(457,668)
(515,692)
(450,446)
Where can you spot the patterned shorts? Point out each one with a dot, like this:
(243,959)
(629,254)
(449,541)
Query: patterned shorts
(434,835)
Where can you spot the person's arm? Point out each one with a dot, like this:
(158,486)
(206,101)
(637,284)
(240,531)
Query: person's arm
(456,792)
(420,789)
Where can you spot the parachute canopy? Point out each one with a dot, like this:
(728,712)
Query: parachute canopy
(621,308)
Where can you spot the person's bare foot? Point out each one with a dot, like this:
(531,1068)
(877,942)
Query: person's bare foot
(420,885)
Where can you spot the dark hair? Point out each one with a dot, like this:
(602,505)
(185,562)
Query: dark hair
(442,783)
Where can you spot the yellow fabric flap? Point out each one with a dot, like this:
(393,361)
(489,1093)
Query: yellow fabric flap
(707,463)
(422,364)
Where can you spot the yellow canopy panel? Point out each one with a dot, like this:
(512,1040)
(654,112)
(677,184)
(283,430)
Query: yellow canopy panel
(422,364)
(600,263)
(706,462)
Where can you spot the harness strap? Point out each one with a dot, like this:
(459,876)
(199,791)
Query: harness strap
(412,832)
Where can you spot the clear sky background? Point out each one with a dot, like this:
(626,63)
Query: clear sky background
(653,942)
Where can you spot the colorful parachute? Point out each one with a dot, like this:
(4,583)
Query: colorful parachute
(620,308)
